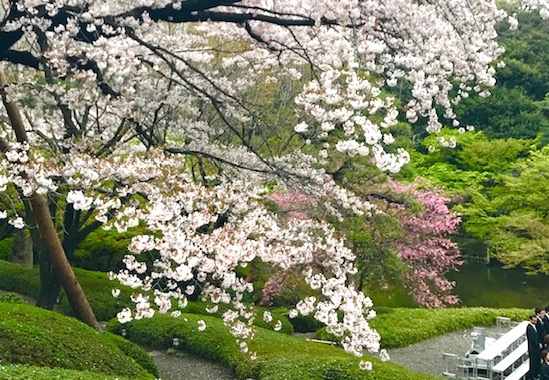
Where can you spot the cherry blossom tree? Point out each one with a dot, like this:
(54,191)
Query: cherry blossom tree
(420,238)
(425,245)
(132,96)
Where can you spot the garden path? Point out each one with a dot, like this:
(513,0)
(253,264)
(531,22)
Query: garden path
(426,356)
(183,365)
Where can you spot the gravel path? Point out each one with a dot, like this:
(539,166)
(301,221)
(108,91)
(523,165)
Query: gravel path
(426,356)
(182,365)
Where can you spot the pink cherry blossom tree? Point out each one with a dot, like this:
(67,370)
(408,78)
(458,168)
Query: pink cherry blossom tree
(425,245)
(423,242)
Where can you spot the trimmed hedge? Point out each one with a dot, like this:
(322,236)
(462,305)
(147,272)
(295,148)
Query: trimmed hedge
(19,279)
(34,336)
(279,356)
(26,372)
(96,285)
(416,325)
(277,314)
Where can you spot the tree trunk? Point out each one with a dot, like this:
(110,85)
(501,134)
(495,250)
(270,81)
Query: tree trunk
(77,299)
(50,283)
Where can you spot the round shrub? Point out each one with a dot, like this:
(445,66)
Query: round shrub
(34,336)
(25,372)
(17,278)
(97,287)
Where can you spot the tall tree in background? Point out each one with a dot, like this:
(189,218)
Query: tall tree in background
(515,107)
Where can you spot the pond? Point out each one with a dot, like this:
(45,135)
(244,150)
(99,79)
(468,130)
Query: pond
(481,284)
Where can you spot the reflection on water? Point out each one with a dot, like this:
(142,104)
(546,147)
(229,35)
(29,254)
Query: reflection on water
(479,284)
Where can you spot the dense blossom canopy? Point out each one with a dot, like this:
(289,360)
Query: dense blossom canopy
(124,99)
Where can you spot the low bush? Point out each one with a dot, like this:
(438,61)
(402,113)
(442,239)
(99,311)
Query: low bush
(19,279)
(96,285)
(277,314)
(11,297)
(26,372)
(279,356)
(34,336)
(5,248)
(402,327)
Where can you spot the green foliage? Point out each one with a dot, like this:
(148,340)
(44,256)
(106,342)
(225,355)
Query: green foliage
(512,213)
(281,315)
(472,165)
(526,55)
(97,287)
(474,151)
(25,372)
(513,110)
(279,356)
(508,112)
(19,279)
(103,250)
(493,156)
(11,297)
(376,261)
(34,336)
(415,325)
(5,248)
(500,187)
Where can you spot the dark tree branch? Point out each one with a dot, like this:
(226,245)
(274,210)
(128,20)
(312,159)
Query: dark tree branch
(24,58)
